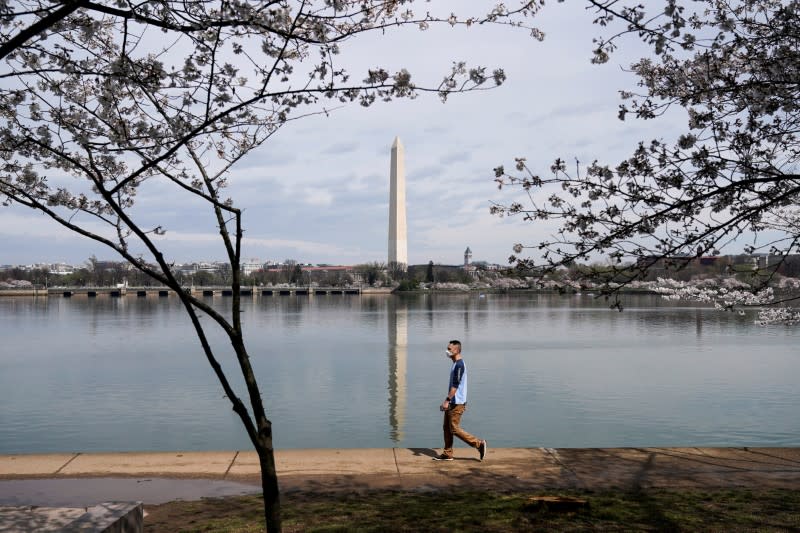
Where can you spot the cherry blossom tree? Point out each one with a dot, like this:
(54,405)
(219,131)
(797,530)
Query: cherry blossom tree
(101,100)
(730,177)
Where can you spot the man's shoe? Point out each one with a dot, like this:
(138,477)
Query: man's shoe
(482,449)
(442,457)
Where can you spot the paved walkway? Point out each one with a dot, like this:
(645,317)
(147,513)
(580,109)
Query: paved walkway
(28,482)
(329,469)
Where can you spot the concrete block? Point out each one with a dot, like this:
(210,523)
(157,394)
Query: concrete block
(110,517)
(40,519)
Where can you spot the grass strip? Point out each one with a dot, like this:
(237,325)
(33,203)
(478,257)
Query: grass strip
(381,511)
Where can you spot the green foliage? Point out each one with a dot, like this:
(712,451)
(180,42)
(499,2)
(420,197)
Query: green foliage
(408,285)
(379,511)
(372,272)
(296,275)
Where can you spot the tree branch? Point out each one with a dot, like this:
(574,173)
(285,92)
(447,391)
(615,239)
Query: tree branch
(67,8)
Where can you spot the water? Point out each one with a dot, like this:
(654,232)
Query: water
(370,371)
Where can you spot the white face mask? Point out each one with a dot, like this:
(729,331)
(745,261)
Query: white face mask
(448,353)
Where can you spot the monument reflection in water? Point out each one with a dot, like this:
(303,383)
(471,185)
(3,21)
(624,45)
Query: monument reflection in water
(397,320)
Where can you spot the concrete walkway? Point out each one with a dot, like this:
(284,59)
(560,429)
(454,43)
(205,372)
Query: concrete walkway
(330,469)
(29,483)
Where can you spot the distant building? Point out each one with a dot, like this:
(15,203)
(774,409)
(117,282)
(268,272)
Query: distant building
(252,265)
(471,269)
(100,266)
(355,275)
(186,269)
(485,265)
(61,269)
(327,268)
(203,266)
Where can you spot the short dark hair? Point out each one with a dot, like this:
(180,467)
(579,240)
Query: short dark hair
(456,343)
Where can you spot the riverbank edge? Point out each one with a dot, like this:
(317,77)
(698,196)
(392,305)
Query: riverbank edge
(367,291)
(409,468)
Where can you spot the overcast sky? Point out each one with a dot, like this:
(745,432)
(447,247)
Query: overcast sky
(318,190)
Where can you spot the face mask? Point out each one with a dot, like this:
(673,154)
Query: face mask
(448,353)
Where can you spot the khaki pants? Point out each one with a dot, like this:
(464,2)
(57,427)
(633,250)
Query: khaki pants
(452,426)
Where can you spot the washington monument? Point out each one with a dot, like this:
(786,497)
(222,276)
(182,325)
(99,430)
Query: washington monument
(398,240)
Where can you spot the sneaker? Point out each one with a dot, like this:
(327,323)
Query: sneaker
(482,449)
(442,457)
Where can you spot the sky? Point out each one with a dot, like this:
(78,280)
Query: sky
(318,190)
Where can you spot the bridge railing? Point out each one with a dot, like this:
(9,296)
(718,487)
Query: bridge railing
(142,292)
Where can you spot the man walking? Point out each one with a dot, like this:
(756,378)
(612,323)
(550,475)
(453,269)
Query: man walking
(454,406)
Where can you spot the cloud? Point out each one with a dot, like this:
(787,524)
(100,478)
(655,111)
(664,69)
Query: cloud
(318,189)
(456,157)
(318,197)
(425,173)
(363,182)
(569,112)
(20,223)
(277,156)
(341,148)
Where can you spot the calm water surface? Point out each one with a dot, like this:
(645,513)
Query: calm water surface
(370,371)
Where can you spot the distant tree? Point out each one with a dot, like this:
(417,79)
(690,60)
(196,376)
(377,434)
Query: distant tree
(732,65)
(265,277)
(118,273)
(333,278)
(451,274)
(91,263)
(408,285)
(204,278)
(371,272)
(273,277)
(79,278)
(397,271)
(287,270)
(791,267)
(17,273)
(429,273)
(39,276)
(462,276)
(100,100)
(296,275)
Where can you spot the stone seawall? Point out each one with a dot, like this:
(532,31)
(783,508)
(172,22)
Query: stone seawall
(23,292)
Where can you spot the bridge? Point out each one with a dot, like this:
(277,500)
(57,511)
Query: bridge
(205,292)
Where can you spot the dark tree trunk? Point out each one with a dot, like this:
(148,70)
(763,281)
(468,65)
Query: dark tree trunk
(269,485)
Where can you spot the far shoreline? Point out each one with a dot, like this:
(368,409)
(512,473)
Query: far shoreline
(369,291)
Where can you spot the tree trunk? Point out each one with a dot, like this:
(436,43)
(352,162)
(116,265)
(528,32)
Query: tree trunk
(269,486)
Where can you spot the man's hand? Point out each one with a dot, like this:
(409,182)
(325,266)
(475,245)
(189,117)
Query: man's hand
(445,405)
